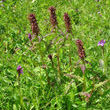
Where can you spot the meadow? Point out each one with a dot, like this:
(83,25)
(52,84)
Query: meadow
(54,54)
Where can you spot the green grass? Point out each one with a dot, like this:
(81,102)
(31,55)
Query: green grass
(90,23)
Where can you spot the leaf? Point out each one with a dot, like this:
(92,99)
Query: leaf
(14,107)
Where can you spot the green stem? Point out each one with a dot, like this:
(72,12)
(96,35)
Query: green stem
(84,84)
(103,51)
(43,61)
(21,98)
(40,50)
(93,86)
(52,64)
(58,61)
(58,64)
(41,54)
(104,68)
(48,79)
(70,54)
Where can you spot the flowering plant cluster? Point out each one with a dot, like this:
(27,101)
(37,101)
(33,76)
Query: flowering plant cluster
(81,51)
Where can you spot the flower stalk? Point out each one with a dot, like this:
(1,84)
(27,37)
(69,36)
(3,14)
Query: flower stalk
(58,64)
(35,30)
(68,30)
(81,52)
(67,22)
(101,43)
(53,18)
(54,23)
(20,71)
(84,83)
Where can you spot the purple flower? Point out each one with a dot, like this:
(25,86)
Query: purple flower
(19,69)
(29,36)
(50,57)
(86,94)
(101,43)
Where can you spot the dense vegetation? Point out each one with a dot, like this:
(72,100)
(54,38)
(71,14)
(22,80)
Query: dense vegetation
(63,64)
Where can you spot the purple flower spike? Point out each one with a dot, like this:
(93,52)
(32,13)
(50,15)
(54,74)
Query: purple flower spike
(101,43)
(19,69)
(50,57)
(29,36)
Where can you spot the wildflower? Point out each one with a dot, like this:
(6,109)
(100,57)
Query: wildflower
(50,57)
(29,36)
(98,12)
(81,50)
(67,22)
(86,94)
(19,69)
(44,66)
(34,24)
(101,43)
(53,18)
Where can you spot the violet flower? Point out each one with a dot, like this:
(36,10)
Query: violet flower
(67,22)
(101,43)
(19,69)
(50,57)
(87,95)
(53,17)
(81,50)
(34,24)
(29,36)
